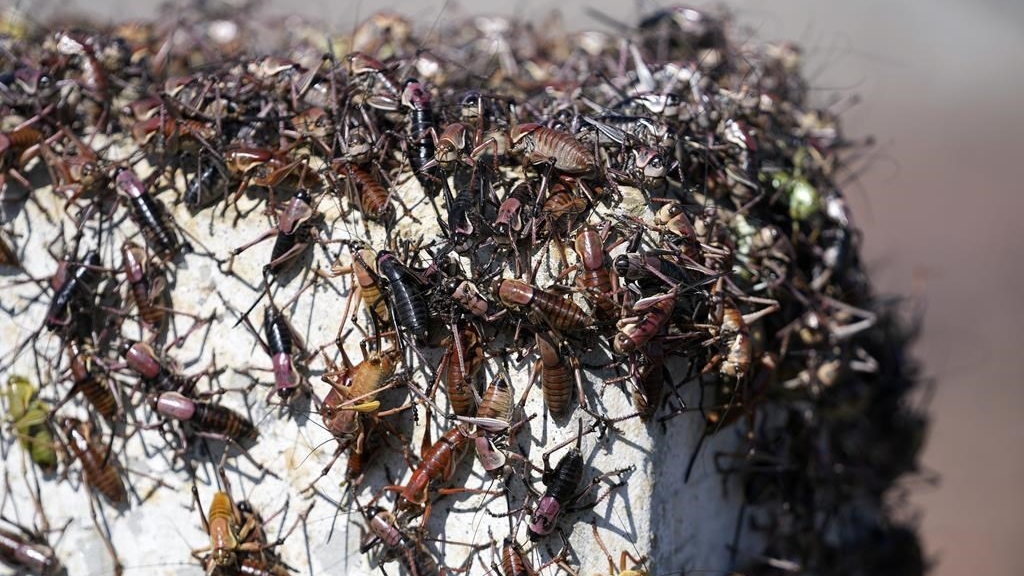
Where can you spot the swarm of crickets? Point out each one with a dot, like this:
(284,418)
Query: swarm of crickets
(494,296)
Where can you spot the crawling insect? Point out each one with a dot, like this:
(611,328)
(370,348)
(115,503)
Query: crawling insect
(157,374)
(102,474)
(459,367)
(420,146)
(559,313)
(438,465)
(364,264)
(147,283)
(281,348)
(406,294)
(17,148)
(292,235)
(28,551)
(562,483)
(151,216)
(398,543)
(89,380)
(494,426)
(353,390)
(648,317)
(8,256)
(213,419)
(227,540)
(350,408)
(595,277)
(539,144)
(730,327)
(514,561)
(75,289)
(374,200)
(557,375)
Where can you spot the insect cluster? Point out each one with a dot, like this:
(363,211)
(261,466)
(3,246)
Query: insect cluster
(554,251)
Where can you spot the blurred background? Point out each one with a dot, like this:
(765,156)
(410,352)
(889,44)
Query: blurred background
(939,201)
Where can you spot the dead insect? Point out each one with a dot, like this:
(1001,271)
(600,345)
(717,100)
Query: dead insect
(29,416)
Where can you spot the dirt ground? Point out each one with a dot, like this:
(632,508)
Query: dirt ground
(940,88)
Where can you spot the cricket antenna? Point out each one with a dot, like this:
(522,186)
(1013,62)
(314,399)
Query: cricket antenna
(266,292)
(579,436)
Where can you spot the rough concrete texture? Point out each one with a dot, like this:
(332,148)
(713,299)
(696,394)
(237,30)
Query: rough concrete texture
(677,526)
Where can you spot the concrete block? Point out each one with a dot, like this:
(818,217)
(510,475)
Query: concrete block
(677,526)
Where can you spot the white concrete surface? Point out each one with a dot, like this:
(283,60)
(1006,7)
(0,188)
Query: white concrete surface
(679,527)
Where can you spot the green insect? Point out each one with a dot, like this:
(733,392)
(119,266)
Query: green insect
(800,196)
(28,417)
